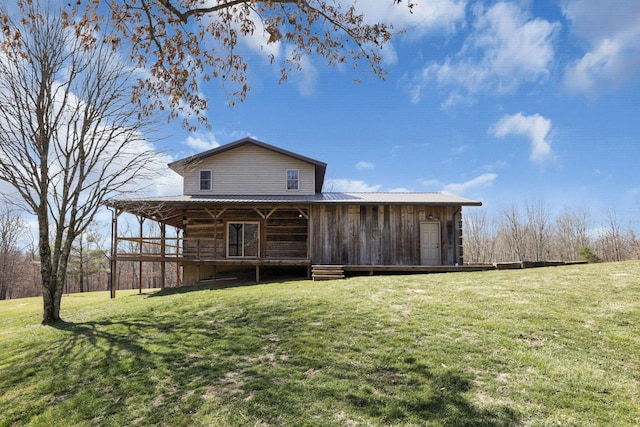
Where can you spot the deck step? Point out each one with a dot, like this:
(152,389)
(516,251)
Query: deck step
(327,272)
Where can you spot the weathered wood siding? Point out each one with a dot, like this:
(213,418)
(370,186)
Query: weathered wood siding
(286,234)
(250,170)
(380,234)
(283,235)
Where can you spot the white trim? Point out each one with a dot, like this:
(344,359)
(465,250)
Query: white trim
(200,180)
(297,180)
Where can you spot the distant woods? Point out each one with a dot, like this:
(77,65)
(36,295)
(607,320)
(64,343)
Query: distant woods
(529,232)
(525,232)
(89,261)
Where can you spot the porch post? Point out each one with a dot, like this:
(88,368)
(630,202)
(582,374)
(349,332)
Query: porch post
(140,221)
(309,239)
(163,249)
(114,251)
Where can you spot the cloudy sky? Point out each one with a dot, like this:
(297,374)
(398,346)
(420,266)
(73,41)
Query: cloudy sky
(503,102)
(499,101)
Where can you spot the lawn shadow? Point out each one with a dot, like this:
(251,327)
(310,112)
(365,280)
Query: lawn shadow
(247,358)
(444,400)
(234,280)
(154,359)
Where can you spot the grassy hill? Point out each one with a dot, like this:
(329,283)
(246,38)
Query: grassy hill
(540,347)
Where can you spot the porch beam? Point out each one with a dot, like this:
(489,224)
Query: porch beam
(303,213)
(215,215)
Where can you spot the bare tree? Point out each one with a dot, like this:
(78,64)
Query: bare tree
(11,226)
(539,226)
(515,232)
(479,240)
(571,234)
(89,259)
(612,242)
(69,135)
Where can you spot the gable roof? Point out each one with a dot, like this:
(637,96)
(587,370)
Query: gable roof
(320,167)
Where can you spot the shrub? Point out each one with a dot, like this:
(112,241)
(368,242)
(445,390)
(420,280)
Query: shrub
(588,255)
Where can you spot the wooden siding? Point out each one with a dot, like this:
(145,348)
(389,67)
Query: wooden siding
(283,235)
(250,170)
(283,231)
(286,234)
(379,234)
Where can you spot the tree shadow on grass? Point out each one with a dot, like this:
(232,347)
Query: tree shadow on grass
(237,280)
(443,400)
(249,362)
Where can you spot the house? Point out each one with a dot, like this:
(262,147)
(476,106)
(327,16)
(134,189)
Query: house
(251,204)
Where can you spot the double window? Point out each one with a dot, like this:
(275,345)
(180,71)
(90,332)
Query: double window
(205,180)
(243,239)
(293,179)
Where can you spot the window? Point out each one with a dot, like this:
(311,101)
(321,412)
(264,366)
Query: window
(243,239)
(293,180)
(205,180)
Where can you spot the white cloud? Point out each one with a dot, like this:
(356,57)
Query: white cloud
(202,142)
(430,182)
(457,151)
(258,40)
(399,190)
(424,17)
(612,34)
(348,185)
(306,77)
(362,165)
(505,48)
(484,180)
(535,127)
(166,182)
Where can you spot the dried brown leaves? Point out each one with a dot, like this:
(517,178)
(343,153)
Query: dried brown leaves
(182,44)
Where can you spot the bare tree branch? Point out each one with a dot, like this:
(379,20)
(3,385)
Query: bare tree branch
(186,43)
(69,135)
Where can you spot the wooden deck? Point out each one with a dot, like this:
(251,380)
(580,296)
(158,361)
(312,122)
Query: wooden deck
(373,269)
(294,262)
(332,272)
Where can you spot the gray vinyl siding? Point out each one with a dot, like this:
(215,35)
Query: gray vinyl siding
(250,170)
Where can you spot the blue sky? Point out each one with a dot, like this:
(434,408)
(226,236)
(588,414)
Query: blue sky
(506,102)
(502,102)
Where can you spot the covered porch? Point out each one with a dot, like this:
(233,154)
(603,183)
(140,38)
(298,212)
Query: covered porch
(209,238)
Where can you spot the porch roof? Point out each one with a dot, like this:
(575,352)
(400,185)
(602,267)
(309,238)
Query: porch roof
(169,209)
(320,198)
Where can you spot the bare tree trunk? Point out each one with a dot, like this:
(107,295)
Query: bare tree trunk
(11,226)
(69,135)
(516,232)
(52,287)
(538,223)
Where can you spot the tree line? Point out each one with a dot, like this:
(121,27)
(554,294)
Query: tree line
(89,261)
(529,232)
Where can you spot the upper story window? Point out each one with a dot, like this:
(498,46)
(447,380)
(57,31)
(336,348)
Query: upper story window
(205,180)
(293,179)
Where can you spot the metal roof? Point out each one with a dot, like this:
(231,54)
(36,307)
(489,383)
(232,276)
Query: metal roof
(320,198)
(170,209)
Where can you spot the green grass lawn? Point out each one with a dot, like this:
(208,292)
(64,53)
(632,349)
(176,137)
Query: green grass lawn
(541,347)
